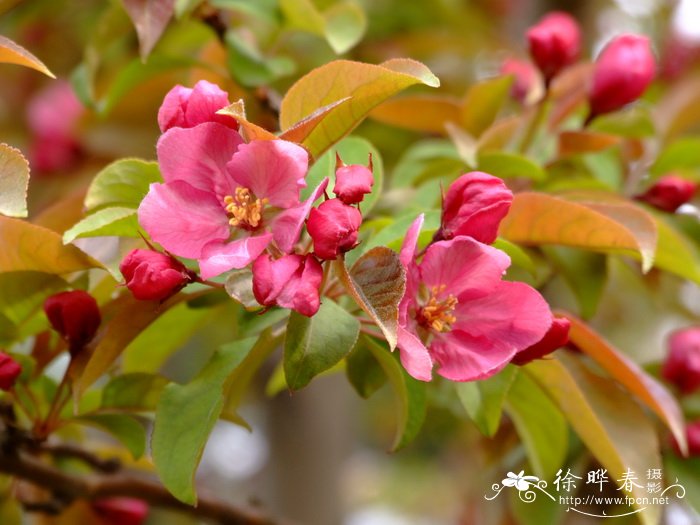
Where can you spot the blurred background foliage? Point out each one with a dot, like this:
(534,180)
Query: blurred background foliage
(318,456)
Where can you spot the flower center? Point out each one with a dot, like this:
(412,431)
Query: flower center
(245,210)
(438,313)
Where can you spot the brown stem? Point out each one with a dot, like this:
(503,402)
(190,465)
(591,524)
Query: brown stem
(66,450)
(130,484)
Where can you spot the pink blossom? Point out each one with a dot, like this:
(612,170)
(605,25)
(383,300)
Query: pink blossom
(459,313)
(187,107)
(353,182)
(555,42)
(10,370)
(292,281)
(669,193)
(53,116)
(121,511)
(622,73)
(524,77)
(474,205)
(153,276)
(223,202)
(682,365)
(333,226)
(556,337)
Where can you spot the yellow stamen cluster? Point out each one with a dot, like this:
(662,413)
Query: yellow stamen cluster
(245,210)
(437,313)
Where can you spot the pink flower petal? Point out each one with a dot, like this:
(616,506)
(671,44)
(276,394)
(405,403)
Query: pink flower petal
(286,227)
(183,219)
(463,266)
(198,156)
(466,357)
(302,292)
(271,275)
(414,355)
(272,169)
(410,242)
(219,257)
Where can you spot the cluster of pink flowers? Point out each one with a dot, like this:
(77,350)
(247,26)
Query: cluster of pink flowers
(230,205)
(622,72)
(458,312)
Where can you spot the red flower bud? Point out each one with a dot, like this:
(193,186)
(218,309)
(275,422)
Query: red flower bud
(474,205)
(153,276)
(623,71)
(556,337)
(121,511)
(292,281)
(353,182)
(682,366)
(9,371)
(525,78)
(555,42)
(333,227)
(669,193)
(75,315)
(186,107)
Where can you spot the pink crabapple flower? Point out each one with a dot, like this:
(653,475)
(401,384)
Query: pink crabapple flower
(682,365)
(669,193)
(556,337)
(459,313)
(524,78)
(223,201)
(474,205)
(622,72)
(555,42)
(10,370)
(121,511)
(292,281)
(153,276)
(75,315)
(187,107)
(53,116)
(333,226)
(353,182)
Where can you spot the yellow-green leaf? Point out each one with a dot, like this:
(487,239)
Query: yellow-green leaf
(11,53)
(367,84)
(537,218)
(33,248)
(14,180)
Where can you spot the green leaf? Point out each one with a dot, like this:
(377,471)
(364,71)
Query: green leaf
(239,285)
(314,344)
(377,282)
(482,104)
(23,293)
(125,428)
(250,67)
(121,222)
(345,24)
(540,425)
(411,395)
(507,165)
(681,154)
(675,252)
(14,181)
(518,256)
(38,249)
(483,400)
(611,425)
(352,150)
(363,371)
(367,84)
(150,348)
(634,122)
(135,392)
(185,417)
(122,184)
(585,272)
